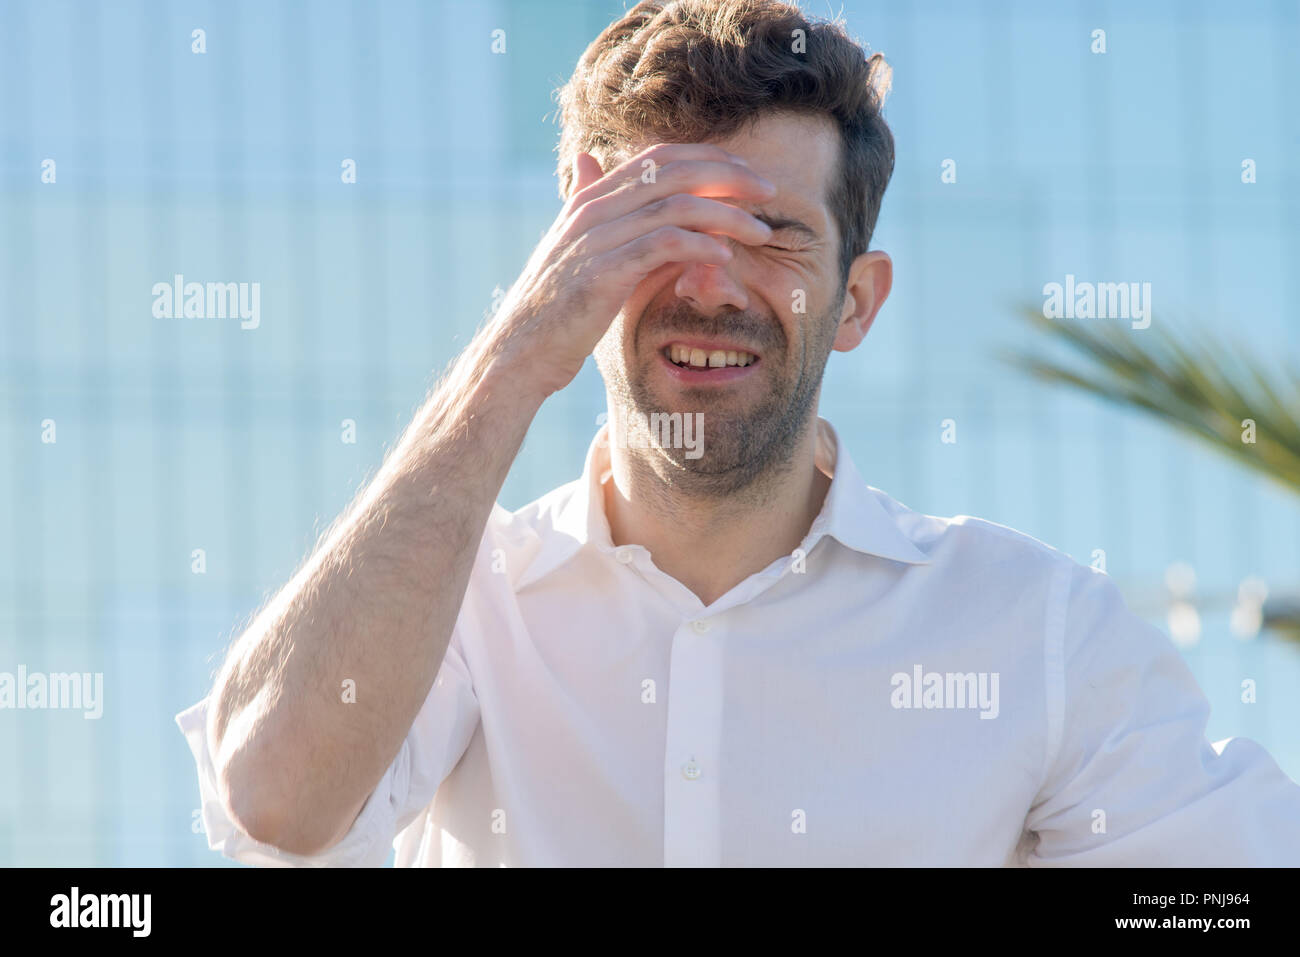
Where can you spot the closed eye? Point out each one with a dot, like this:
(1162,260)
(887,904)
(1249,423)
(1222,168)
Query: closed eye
(789,239)
(792,235)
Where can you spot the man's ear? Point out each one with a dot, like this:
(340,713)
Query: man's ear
(870,278)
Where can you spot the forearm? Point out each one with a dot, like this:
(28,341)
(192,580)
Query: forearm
(374,604)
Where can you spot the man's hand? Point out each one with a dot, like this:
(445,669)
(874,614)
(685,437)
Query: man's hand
(612,233)
(378,599)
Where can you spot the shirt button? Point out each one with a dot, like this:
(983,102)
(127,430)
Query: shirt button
(690,770)
(700,626)
(624,555)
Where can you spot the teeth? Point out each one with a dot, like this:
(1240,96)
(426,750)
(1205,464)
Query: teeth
(715,359)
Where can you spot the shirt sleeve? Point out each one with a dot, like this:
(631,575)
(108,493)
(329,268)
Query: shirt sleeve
(1132,780)
(438,737)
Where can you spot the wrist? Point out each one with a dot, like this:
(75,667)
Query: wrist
(511,384)
(513,370)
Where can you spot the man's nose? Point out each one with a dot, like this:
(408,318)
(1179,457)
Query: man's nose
(710,288)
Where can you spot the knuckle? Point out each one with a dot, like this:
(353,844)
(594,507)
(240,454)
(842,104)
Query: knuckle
(578,247)
(669,172)
(673,238)
(585,218)
(580,198)
(632,255)
(683,203)
(575,228)
(655,208)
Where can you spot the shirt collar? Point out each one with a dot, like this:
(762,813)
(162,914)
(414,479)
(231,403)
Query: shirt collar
(853,512)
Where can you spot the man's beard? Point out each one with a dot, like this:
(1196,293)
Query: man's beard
(744,445)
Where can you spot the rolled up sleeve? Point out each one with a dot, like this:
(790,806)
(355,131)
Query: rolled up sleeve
(434,744)
(1132,780)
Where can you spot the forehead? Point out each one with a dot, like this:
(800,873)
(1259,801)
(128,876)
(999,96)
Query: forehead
(799,153)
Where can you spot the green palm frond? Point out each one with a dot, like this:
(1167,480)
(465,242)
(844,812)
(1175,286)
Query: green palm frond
(1203,385)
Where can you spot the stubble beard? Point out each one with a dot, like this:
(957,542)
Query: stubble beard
(746,447)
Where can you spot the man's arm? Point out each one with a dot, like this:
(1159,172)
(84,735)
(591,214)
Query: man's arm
(1132,779)
(378,599)
(376,604)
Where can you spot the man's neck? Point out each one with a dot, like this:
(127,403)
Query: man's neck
(711,544)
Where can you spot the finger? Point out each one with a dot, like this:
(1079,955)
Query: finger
(687,211)
(698,177)
(647,163)
(668,244)
(586,170)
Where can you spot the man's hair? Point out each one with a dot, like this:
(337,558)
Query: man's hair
(688,71)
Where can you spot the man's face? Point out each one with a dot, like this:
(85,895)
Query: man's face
(779,303)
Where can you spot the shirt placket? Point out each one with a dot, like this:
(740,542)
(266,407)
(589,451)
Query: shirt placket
(693,738)
(693,747)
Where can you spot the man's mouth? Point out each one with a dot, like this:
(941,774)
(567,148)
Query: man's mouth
(694,357)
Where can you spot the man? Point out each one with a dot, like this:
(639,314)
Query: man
(719,646)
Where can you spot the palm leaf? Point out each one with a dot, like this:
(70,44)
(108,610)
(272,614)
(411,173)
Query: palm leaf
(1201,384)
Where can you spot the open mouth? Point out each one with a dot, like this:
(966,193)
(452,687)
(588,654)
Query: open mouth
(688,357)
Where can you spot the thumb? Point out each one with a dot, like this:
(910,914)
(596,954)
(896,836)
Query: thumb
(586,170)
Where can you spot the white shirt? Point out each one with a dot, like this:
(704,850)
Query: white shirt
(591,711)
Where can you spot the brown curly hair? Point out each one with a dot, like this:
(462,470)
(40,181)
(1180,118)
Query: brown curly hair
(695,70)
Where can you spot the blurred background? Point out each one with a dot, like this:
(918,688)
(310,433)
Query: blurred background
(175,435)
